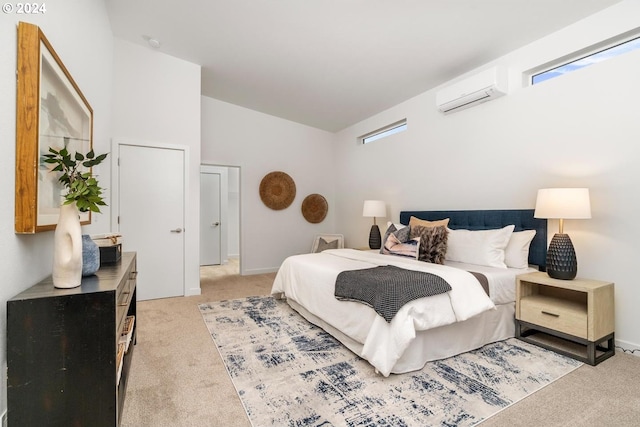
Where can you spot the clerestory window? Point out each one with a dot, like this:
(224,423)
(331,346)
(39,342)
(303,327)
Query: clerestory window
(583,61)
(391,129)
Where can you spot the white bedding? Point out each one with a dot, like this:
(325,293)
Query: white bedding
(309,280)
(502,285)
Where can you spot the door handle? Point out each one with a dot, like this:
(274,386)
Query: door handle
(177,230)
(215,224)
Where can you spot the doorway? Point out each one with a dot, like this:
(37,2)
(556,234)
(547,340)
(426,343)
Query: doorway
(151,180)
(210,216)
(219,221)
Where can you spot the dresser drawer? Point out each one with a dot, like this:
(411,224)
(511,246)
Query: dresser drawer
(561,315)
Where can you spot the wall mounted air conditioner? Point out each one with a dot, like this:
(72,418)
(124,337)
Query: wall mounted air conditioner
(474,90)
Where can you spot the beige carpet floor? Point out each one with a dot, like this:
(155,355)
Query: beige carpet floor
(178,379)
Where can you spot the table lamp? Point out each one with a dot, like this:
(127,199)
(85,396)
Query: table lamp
(561,204)
(374,208)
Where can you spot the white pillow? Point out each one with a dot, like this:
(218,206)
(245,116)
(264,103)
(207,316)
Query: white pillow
(481,247)
(516,254)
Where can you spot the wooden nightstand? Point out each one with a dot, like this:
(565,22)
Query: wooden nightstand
(579,311)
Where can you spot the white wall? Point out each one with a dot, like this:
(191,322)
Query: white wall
(259,144)
(578,130)
(81,35)
(233,217)
(157,100)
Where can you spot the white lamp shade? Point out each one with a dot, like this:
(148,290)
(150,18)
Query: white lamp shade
(563,203)
(374,208)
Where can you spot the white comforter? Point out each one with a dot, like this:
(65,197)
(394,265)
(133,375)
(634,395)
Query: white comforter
(309,280)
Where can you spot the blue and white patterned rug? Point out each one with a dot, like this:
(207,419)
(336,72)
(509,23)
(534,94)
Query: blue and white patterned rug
(289,372)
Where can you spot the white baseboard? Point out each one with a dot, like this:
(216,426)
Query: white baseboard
(259,271)
(193,291)
(627,347)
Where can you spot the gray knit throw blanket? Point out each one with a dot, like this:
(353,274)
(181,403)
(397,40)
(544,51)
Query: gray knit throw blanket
(387,288)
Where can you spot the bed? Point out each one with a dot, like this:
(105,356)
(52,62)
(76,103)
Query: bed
(478,309)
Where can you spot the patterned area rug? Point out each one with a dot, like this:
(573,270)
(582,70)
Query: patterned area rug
(289,372)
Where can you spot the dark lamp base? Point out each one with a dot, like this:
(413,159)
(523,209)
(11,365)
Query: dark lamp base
(561,258)
(375,241)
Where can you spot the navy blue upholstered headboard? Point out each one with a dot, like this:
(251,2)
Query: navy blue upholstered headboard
(490,219)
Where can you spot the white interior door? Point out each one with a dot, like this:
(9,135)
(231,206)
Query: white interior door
(151,216)
(210,219)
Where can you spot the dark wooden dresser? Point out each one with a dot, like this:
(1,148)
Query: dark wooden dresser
(66,358)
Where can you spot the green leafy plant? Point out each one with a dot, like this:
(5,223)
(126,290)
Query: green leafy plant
(82,188)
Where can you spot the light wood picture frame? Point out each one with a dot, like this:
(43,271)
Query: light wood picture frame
(51,111)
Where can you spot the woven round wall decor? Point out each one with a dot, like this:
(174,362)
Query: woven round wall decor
(277,190)
(314,208)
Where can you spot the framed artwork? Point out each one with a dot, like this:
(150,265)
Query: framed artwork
(51,112)
(327,241)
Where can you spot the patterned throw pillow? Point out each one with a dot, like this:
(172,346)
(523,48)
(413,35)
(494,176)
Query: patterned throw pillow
(403,234)
(433,243)
(398,242)
(391,228)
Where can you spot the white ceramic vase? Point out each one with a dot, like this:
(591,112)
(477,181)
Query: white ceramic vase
(67,255)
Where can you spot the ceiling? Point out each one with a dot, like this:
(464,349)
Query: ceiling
(332,63)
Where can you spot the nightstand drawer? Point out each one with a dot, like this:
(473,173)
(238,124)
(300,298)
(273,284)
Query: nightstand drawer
(560,315)
(580,311)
